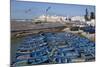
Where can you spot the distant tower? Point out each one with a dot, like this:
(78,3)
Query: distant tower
(92,16)
(86,15)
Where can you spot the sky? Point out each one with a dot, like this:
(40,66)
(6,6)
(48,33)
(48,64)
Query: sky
(30,10)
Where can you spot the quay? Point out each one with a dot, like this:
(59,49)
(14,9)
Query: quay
(25,28)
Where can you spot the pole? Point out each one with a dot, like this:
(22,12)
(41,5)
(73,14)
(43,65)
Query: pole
(46,14)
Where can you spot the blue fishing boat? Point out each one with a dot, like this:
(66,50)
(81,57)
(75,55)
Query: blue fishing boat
(54,47)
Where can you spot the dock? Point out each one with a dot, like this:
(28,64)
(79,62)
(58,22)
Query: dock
(25,28)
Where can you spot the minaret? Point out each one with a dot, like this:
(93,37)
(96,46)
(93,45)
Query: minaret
(86,15)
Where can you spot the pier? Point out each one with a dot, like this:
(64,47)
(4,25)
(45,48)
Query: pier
(25,28)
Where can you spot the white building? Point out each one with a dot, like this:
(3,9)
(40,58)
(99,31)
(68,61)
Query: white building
(81,19)
(92,22)
(78,18)
(51,18)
